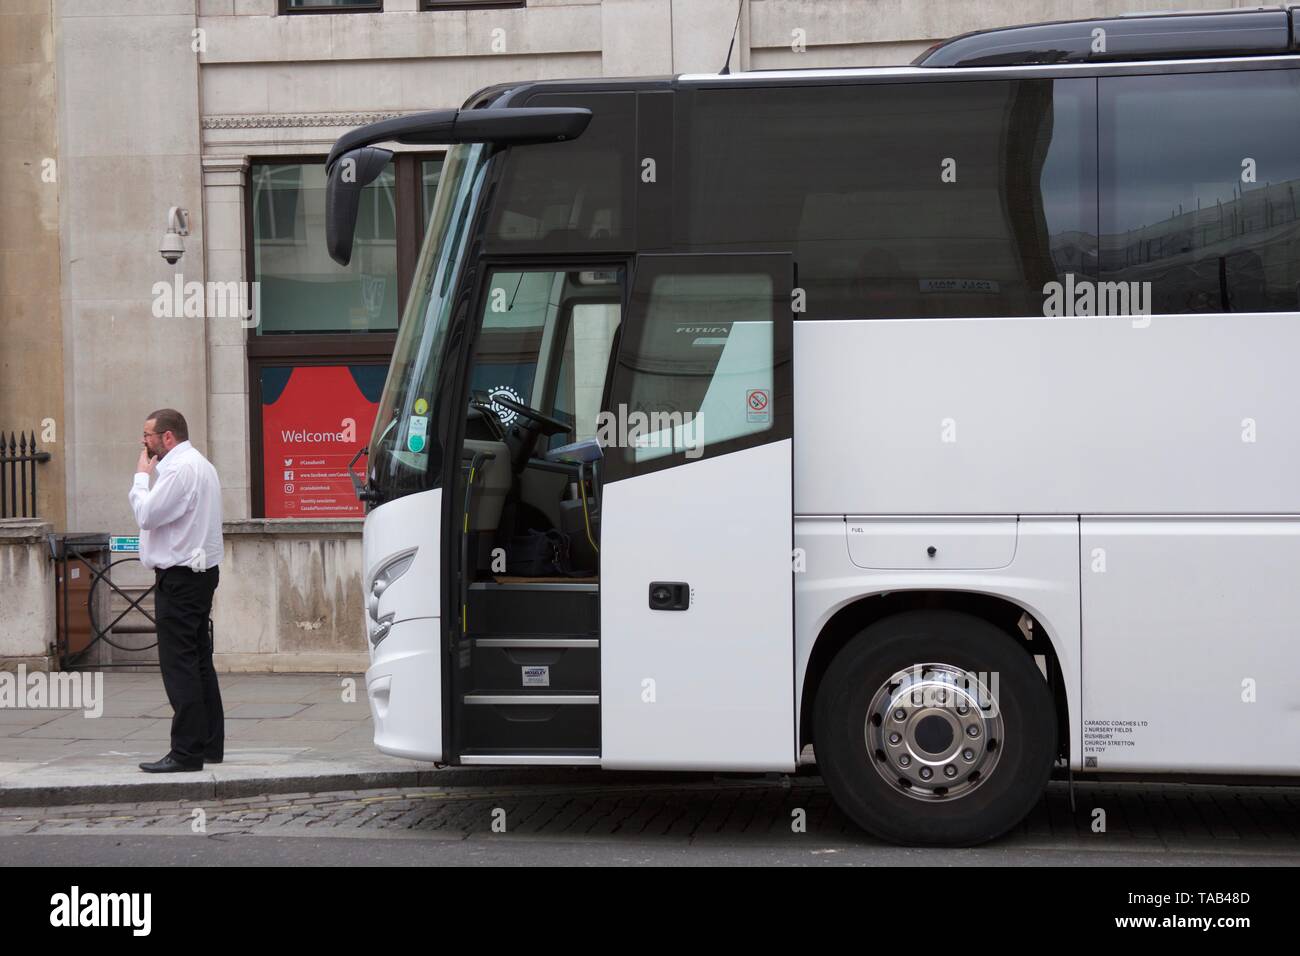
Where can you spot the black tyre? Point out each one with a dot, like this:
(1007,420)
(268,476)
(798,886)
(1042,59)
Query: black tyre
(934,728)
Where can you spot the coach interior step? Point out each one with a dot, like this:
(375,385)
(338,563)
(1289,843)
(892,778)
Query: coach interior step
(529,674)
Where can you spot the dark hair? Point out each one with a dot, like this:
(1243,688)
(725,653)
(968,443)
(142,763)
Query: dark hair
(170,420)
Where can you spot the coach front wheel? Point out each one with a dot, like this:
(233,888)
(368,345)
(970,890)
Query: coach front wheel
(934,728)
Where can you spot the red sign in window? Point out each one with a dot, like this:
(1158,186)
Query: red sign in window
(314,420)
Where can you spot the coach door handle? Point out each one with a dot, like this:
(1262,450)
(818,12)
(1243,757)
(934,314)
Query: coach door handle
(670,596)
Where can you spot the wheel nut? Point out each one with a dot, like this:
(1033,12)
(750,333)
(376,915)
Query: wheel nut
(963,709)
(926,773)
(895,738)
(900,714)
(972,731)
(968,755)
(950,771)
(905,761)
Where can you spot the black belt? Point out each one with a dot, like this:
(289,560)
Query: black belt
(158,572)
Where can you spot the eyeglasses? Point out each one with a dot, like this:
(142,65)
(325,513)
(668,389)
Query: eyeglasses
(154,434)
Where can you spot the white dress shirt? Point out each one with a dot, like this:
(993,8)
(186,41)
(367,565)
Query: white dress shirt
(180,516)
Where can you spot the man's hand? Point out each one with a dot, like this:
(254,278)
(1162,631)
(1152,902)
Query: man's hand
(146,463)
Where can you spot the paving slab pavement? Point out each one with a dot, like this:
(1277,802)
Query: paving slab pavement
(285,733)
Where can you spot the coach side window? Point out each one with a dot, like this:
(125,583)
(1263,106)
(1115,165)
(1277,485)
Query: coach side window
(901,200)
(575,196)
(703,365)
(1200,189)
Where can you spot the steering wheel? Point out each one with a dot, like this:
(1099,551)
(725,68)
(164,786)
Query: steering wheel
(546,424)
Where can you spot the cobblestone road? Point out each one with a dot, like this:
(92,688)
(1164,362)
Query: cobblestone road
(1223,823)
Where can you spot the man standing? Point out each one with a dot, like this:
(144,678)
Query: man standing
(180,539)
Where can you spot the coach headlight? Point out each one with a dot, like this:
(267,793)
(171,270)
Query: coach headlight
(388,572)
(379,629)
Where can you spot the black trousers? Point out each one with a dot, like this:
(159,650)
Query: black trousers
(182,606)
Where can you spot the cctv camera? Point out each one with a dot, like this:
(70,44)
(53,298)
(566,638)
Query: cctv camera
(171,248)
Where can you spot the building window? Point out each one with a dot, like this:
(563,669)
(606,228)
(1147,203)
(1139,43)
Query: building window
(319,351)
(301,288)
(467,4)
(331,6)
(313,419)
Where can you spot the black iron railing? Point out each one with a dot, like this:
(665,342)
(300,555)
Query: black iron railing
(19,457)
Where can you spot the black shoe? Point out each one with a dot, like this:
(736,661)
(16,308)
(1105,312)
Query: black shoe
(170,764)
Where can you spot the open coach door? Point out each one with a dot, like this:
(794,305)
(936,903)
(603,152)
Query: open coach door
(696,597)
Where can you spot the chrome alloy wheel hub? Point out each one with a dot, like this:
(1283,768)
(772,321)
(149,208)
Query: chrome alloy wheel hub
(934,731)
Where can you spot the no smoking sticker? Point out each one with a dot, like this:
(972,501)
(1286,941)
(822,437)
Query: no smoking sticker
(758,405)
